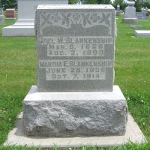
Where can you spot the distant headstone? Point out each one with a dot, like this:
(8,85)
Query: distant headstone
(144,10)
(130,13)
(118,12)
(24,26)
(1,11)
(75,96)
(136,26)
(10,13)
(142,33)
(142,16)
(2,19)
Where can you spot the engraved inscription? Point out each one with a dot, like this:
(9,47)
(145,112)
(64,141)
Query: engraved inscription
(75,43)
(76,69)
(75,46)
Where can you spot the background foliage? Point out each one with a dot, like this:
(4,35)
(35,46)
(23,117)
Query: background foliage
(138,3)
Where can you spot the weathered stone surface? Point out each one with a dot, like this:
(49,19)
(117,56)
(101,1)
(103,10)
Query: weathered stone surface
(75,47)
(65,114)
(142,33)
(133,134)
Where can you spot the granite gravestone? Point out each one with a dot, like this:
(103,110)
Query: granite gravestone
(2,19)
(1,11)
(118,12)
(142,16)
(24,26)
(10,13)
(75,95)
(130,13)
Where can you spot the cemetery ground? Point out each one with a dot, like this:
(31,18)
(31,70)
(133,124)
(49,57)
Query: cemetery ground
(132,74)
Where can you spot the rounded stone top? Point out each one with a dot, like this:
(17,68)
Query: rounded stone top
(130,3)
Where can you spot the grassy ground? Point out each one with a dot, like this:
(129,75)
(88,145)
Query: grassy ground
(132,67)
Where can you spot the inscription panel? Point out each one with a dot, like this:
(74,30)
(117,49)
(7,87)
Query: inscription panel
(75,45)
(76,69)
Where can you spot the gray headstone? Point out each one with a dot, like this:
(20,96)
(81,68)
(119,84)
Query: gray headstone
(130,13)
(144,10)
(118,7)
(1,11)
(77,48)
(130,10)
(136,26)
(142,16)
(2,19)
(118,12)
(75,95)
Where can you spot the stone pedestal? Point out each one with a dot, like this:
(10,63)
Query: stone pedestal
(70,114)
(130,20)
(118,13)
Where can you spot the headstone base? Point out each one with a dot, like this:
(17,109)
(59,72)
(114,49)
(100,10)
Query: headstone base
(2,19)
(130,20)
(71,114)
(133,134)
(118,13)
(142,33)
(18,31)
(22,28)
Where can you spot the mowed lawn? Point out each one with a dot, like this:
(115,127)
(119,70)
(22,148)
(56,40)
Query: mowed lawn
(132,74)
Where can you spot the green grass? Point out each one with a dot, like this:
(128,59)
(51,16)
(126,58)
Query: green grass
(132,74)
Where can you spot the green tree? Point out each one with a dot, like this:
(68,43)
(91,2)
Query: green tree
(83,1)
(122,4)
(146,4)
(9,4)
(90,1)
(104,1)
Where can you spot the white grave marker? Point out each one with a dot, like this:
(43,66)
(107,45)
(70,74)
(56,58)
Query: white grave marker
(24,26)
